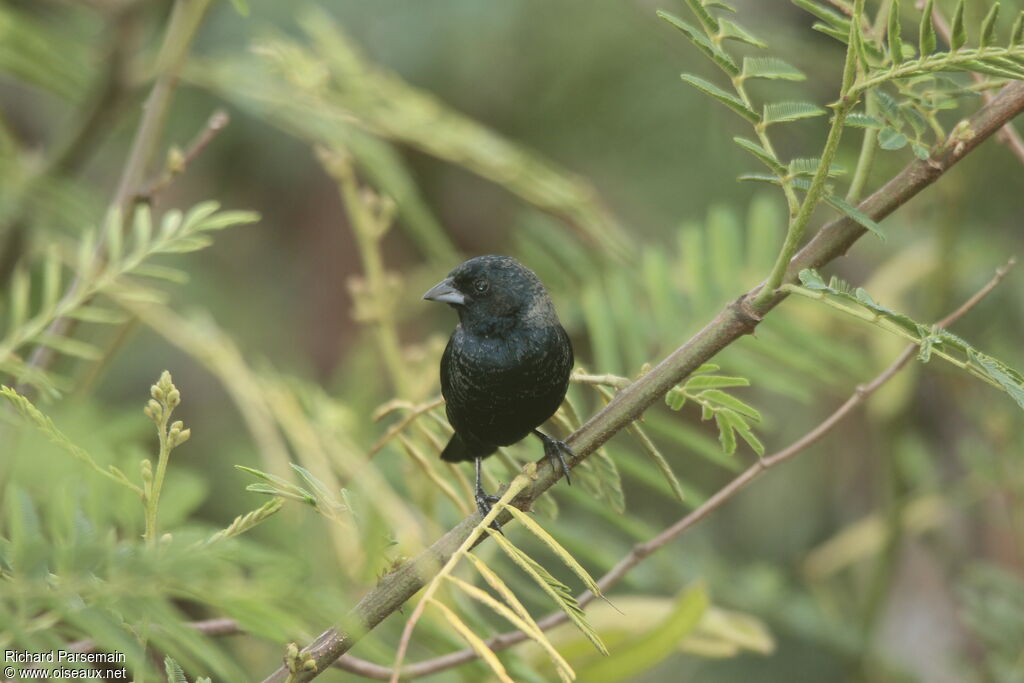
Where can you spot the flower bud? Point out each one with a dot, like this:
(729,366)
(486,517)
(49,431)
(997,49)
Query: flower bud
(182,437)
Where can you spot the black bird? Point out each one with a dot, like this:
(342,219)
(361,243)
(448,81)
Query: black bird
(506,368)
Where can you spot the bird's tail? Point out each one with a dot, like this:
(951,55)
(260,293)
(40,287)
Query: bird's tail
(460,449)
(456,450)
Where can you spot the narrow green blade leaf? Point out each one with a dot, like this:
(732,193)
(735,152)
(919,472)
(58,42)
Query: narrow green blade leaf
(895,44)
(733,31)
(1001,374)
(842,36)
(855,214)
(564,555)
(827,14)
(555,589)
(782,112)
(729,401)
(957,32)
(715,382)
(771,68)
(96,314)
(766,157)
(988,26)
(1017,32)
(475,642)
(726,435)
(706,19)
(700,41)
(891,139)
(926,31)
(725,98)
(51,278)
(529,628)
(18,311)
(69,346)
(662,464)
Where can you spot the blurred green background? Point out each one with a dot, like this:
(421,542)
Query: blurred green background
(559,133)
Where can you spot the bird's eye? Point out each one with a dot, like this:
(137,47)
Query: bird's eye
(481,286)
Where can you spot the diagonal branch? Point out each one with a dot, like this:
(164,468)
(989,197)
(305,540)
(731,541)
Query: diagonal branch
(641,551)
(738,319)
(367,669)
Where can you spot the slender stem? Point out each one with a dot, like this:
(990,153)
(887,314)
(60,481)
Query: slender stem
(866,159)
(937,62)
(792,201)
(798,224)
(153,497)
(369,218)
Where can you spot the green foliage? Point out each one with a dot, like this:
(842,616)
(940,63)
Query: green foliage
(654,646)
(931,340)
(104,265)
(74,558)
(175,674)
(990,599)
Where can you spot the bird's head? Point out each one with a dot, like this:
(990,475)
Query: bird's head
(494,292)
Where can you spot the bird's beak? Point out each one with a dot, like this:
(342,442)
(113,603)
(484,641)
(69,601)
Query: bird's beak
(445,292)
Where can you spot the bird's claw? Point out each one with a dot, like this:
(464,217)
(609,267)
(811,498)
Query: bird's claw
(554,449)
(484,503)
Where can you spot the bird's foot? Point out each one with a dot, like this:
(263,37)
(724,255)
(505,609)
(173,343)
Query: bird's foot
(484,503)
(556,451)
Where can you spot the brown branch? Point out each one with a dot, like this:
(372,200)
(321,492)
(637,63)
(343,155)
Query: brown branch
(367,669)
(738,319)
(642,550)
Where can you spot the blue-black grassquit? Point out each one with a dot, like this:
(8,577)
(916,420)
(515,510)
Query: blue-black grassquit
(506,368)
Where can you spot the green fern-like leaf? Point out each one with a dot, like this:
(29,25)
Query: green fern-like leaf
(701,42)
(926,31)
(732,31)
(178,233)
(766,157)
(933,342)
(957,32)
(174,671)
(1017,30)
(834,20)
(784,112)
(725,98)
(770,68)
(554,588)
(988,27)
(895,44)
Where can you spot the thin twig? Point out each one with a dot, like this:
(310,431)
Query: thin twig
(737,320)
(217,122)
(1008,134)
(186,17)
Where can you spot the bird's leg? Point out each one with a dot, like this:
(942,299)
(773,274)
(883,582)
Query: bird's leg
(553,449)
(484,501)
